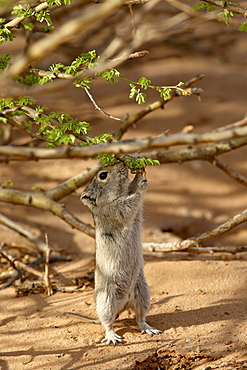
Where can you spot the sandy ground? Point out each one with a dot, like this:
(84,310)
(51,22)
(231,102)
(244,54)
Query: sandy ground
(198,301)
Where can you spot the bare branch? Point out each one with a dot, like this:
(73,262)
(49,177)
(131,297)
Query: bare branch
(196,241)
(123,146)
(206,152)
(14,226)
(242,122)
(230,172)
(42,201)
(46,276)
(18,265)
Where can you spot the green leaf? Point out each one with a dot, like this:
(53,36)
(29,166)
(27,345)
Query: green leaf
(144,82)
(243,27)
(27,25)
(5,35)
(4,60)
(141,98)
(199,6)
(7,183)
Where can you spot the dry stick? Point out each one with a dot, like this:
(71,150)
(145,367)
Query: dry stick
(18,265)
(10,274)
(33,287)
(42,247)
(196,241)
(212,250)
(47,281)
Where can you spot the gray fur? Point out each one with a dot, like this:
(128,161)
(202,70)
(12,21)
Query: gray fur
(116,205)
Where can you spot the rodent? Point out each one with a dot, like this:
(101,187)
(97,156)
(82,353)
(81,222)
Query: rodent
(120,284)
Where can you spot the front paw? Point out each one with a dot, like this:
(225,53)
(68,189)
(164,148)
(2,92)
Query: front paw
(143,183)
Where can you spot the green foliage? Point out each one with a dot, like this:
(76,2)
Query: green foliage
(209,7)
(243,27)
(97,140)
(225,16)
(7,183)
(60,128)
(6,35)
(135,164)
(107,159)
(4,61)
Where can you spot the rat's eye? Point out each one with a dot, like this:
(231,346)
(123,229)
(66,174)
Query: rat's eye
(103,175)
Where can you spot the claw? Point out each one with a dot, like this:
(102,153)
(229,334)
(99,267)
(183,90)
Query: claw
(113,337)
(147,329)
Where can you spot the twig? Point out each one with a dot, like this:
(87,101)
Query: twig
(97,107)
(17,20)
(58,37)
(130,121)
(242,122)
(42,247)
(230,172)
(18,265)
(37,288)
(225,5)
(10,274)
(47,281)
(196,241)
(210,249)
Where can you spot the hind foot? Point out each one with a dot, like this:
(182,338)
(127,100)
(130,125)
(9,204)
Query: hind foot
(111,336)
(145,328)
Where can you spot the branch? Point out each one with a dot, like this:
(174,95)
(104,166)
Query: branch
(70,185)
(206,152)
(17,20)
(42,201)
(196,241)
(130,121)
(42,247)
(124,146)
(242,122)
(49,43)
(230,172)
(225,5)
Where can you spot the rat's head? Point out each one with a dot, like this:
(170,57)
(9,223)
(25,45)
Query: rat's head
(108,184)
